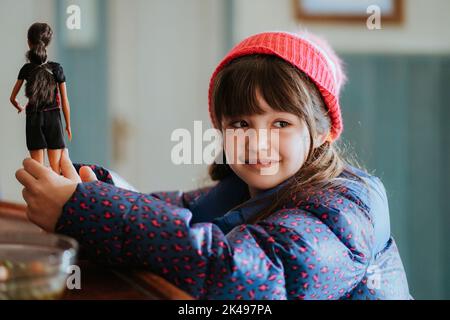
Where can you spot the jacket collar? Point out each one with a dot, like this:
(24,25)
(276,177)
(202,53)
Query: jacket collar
(248,209)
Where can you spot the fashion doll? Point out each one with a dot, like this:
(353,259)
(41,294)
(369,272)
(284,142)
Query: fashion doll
(45,89)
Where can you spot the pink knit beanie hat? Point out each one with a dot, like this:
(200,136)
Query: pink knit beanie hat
(305,51)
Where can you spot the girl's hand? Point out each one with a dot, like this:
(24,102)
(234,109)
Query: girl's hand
(19,109)
(46,192)
(69,133)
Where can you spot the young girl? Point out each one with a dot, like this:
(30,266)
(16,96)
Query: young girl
(43,79)
(315,228)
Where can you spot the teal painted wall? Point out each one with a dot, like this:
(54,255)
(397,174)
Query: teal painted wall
(87,74)
(396,120)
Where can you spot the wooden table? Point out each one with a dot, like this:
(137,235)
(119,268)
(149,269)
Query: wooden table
(98,282)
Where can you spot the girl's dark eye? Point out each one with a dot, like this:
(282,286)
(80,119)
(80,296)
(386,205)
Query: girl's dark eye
(281,124)
(239,124)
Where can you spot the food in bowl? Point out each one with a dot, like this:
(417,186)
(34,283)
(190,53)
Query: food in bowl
(35,265)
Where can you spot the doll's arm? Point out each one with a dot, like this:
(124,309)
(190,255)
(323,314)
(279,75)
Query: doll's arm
(14,93)
(65,107)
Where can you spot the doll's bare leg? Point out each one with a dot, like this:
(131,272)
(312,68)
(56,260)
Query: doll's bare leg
(38,155)
(54,157)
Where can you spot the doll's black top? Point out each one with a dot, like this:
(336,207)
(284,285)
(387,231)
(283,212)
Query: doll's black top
(58,74)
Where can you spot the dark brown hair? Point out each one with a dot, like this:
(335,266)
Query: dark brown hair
(285,88)
(41,85)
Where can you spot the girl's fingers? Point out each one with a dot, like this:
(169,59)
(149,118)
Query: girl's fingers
(87,175)
(26,179)
(34,168)
(67,168)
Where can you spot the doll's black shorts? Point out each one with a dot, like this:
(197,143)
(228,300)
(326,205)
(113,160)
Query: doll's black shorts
(44,130)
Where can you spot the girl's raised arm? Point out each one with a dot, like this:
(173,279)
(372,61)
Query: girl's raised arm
(121,227)
(14,93)
(66,108)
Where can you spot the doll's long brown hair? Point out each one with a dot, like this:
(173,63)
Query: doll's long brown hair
(286,89)
(41,85)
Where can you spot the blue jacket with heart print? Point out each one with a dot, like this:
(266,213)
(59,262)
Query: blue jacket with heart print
(333,243)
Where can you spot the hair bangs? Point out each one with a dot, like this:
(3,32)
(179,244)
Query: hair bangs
(237,86)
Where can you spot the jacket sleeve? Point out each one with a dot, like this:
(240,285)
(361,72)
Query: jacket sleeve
(293,254)
(178,198)
(181,199)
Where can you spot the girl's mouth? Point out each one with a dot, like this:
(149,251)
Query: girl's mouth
(261,164)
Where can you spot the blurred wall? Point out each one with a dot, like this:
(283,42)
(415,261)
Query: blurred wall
(16,17)
(158,56)
(396,111)
(84,56)
(161,56)
(425,29)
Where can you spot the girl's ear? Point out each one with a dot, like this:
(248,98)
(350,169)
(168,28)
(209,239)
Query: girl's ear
(322,138)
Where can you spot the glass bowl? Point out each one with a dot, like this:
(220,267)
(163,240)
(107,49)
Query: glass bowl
(35,265)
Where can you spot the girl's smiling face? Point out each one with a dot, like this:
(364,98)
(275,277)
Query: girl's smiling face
(276,146)
(274,123)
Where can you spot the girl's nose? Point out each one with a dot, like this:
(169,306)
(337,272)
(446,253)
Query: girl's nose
(263,139)
(258,143)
